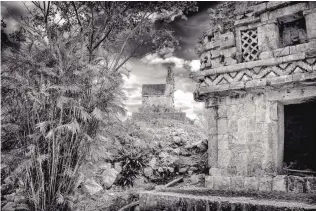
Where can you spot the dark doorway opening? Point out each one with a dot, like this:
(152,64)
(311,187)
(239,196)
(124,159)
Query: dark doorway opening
(300,136)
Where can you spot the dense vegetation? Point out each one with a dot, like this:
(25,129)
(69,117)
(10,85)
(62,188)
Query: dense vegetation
(61,89)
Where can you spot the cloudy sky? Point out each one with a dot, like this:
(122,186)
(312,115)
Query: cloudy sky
(151,70)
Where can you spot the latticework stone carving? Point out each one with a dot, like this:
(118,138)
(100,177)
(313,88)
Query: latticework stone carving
(249,45)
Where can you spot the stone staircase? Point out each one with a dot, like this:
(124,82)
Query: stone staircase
(195,200)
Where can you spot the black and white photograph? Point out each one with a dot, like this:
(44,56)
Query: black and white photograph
(158,105)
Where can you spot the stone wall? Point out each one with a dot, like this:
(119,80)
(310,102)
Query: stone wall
(159,101)
(139,116)
(246,135)
(242,146)
(247,129)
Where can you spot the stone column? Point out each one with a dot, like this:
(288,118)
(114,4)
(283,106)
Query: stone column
(310,19)
(212,115)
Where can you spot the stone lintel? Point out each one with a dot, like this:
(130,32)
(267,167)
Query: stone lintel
(249,20)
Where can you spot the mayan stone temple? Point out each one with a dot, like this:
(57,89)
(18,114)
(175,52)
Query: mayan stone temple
(258,71)
(158,101)
(258,82)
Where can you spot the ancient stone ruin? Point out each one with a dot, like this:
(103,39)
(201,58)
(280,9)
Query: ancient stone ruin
(158,101)
(258,82)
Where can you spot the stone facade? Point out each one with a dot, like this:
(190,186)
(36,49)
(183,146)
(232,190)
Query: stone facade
(159,95)
(158,101)
(250,69)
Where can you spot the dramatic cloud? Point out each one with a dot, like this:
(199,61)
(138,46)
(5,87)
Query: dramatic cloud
(184,101)
(151,69)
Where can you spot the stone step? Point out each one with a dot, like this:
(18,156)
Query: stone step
(171,201)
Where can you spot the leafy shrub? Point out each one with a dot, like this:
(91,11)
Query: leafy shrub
(133,160)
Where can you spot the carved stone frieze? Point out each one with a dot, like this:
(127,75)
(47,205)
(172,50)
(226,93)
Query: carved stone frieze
(296,67)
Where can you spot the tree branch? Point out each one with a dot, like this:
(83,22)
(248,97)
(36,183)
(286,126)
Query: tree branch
(126,40)
(77,16)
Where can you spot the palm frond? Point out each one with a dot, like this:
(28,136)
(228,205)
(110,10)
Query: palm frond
(43,126)
(72,127)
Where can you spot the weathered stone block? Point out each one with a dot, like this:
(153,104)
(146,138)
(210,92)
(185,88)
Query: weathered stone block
(241,109)
(232,125)
(299,48)
(258,8)
(268,39)
(287,10)
(260,114)
(281,51)
(251,122)
(211,45)
(221,183)
(280,80)
(310,17)
(250,109)
(274,4)
(246,21)
(209,182)
(227,40)
(237,183)
(223,145)
(215,63)
(222,111)
(251,183)
(274,111)
(256,83)
(230,61)
(310,184)
(254,167)
(266,55)
(215,53)
(295,184)
(279,183)
(224,157)
(228,52)
(222,126)
(212,130)
(265,183)
(215,172)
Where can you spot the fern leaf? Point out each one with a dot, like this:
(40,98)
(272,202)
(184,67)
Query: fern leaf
(11,128)
(81,114)
(98,114)
(59,198)
(41,158)
(42,126)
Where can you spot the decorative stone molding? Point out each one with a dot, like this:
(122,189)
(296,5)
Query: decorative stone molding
(260,77)
(248,65)
(302,66)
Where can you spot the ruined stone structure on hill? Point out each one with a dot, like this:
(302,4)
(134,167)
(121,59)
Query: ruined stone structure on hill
(258,82)
(158,101)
